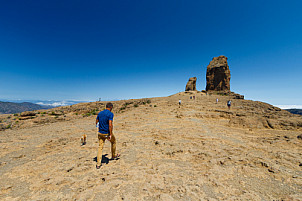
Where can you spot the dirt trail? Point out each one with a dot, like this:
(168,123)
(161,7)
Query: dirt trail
(168,153)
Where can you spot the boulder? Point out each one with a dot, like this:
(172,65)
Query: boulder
(2,127)
(26,117)
(226,93)
(238,96)
(218,75)
(28,113)
(191,85)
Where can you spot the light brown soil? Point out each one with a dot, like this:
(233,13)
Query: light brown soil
(192,152)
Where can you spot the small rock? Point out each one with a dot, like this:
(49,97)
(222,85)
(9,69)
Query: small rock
(263,164)
(28,113)
(300,164)
(20,156)
(70,169)
(299,137)
(156,143)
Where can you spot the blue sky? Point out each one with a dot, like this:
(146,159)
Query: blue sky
(83,50)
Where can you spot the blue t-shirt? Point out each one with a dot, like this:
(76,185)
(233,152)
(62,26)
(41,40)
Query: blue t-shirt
(104,118)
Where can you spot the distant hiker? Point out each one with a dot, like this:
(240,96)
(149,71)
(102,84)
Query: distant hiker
(194,97)
(216,100)
(105,119)
(229,104)
(179,102)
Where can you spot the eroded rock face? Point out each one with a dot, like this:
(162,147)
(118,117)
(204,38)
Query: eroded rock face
(191,85)
(218,75)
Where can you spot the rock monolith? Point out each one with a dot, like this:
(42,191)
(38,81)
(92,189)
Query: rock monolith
(218,75)
(191,85)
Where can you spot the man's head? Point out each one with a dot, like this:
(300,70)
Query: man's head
(109,106)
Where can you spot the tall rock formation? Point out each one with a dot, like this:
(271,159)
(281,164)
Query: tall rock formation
(218,75)
(191,85)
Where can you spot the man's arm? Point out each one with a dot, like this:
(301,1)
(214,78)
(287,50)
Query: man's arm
(110,129)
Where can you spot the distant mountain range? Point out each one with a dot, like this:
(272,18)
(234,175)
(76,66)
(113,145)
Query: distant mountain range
(11,108)
(295,111)
(17,106)
(53,103)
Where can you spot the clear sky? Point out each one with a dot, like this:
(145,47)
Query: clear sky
(83,50)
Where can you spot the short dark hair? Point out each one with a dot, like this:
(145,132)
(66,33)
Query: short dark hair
(109,105)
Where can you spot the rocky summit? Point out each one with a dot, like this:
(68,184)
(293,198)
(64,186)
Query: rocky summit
(191,85)
(218,75)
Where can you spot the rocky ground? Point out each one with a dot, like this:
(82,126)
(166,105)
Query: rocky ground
(199,151)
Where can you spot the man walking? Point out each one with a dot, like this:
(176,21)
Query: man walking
(105,119)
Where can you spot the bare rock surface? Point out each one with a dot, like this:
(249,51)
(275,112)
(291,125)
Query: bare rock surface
(191,85)
(218,75)
(199,151)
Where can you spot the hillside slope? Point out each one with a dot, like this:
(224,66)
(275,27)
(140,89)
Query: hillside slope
(243,113)
(11,108)
(191,152)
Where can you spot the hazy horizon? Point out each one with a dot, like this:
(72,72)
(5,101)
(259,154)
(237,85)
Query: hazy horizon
(57,103)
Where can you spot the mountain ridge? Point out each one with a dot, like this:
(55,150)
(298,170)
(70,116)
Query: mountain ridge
(295,111)
(11,107)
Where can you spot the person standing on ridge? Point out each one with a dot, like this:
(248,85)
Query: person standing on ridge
(104,120)
(229,104)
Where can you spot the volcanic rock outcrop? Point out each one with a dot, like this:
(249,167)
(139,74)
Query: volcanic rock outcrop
(218,75)
(191,85)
